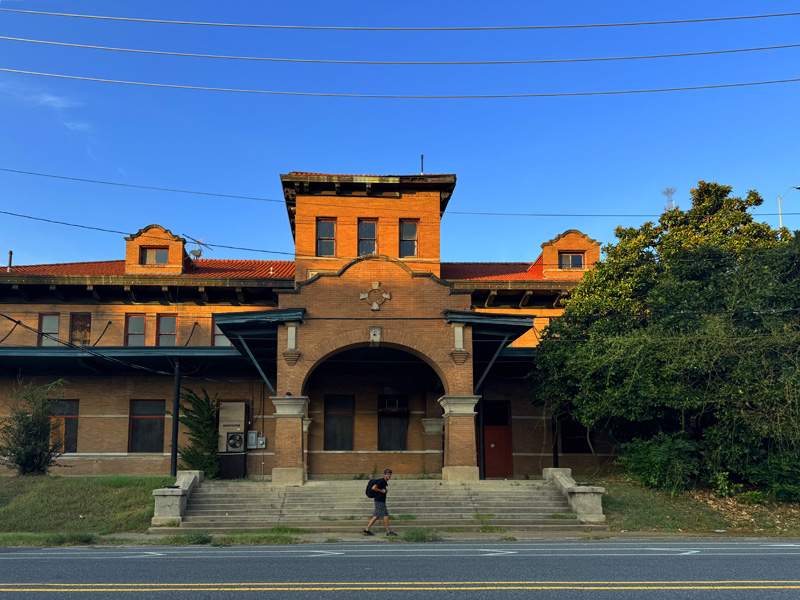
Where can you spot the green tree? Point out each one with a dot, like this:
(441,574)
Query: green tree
(199,416)
(26,443)
(689,326)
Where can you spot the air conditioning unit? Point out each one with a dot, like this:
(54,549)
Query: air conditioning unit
(232,420)
(235,442)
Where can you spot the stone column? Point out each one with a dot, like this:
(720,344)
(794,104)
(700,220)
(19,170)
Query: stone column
(460,456)
(289,464)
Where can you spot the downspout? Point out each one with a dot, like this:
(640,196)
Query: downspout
(176,406)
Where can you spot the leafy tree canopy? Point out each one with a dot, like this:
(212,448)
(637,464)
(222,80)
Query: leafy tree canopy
(688,325)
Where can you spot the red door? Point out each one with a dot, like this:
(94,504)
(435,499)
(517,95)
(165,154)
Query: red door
(497,451)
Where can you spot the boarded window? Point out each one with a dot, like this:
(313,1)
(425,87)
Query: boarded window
(64,424)
(326,237)
(392,423)
(167,327)
(48,324)
(146,426)
(134,330)
(339,418)
(80,329)
(367,237)
(573,438)
(154,256)
(408,239)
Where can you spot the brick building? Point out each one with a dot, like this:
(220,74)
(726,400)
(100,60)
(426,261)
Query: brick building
(365,351)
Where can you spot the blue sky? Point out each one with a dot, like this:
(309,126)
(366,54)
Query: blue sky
(575,155)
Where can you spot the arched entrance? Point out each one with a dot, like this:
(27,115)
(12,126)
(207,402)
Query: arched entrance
(373,408)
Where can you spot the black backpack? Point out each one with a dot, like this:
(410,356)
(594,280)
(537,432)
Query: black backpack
(370,492)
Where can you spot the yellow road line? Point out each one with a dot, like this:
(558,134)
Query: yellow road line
(284,588)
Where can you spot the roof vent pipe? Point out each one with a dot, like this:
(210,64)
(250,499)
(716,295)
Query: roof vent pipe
(10,254)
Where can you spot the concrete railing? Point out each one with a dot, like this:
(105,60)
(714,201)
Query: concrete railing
(586,501)
(171,501)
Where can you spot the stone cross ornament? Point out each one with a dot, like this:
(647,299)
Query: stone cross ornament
(376,296)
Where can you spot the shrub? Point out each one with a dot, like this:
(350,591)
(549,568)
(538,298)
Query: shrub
(417,534)
(723,488)
(754,497)
(664,462)
(200,419)
(26,441)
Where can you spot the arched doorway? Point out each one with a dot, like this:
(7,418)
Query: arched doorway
(368,406)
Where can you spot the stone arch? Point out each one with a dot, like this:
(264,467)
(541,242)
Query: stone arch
(434,357)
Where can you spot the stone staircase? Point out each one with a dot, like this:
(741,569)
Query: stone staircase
(341,506)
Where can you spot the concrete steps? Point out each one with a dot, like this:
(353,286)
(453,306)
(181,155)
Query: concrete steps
(340,506)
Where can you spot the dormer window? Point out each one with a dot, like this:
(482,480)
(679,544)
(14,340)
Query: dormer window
(154,256)
(367,237)
(570,260)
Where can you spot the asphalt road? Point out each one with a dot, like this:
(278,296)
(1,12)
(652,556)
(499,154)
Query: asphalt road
(764,568)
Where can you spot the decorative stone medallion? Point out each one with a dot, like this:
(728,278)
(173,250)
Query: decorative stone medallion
(376,296)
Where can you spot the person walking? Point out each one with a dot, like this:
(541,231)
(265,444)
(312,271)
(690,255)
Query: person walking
(381,489)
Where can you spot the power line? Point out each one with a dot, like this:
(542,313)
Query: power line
(401,96)
(352,28)
(393,62)
(55,222)
(339,205)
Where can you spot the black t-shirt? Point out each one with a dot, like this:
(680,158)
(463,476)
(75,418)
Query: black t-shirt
(381,485)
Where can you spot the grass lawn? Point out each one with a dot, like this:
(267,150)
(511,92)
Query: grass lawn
(50,504)
(631,507)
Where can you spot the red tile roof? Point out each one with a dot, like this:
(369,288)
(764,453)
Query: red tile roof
(237,269)
(284,269)
(493,271)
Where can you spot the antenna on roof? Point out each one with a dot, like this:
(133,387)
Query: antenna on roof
(197,252)
(422,164)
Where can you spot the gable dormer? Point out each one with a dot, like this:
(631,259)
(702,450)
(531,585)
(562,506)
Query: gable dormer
(156,251)
(569,255)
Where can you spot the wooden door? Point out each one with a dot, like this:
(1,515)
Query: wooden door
(497,439)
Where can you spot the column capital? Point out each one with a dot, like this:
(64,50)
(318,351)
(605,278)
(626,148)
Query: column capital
(459,406)
(289,406)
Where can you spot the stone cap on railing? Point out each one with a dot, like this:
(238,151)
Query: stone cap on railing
(586,501)
(170,501)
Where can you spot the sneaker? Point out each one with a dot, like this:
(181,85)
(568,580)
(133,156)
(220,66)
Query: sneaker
(368,532)
(391,534)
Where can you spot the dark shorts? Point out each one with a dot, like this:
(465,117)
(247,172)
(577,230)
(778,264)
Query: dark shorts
(380,510)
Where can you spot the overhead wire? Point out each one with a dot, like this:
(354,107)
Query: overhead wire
(401,96)
(340,204)
(354,28)
(397,62)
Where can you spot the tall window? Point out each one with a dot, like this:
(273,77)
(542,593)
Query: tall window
(339,417)
(218,338)
(80,328)
(367,237)
(146,426)
(167,327)
(408,239)
(64,424)
(48,324)
(392,422)
(154,256)
(570,260)
(326,237)
(134,330)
